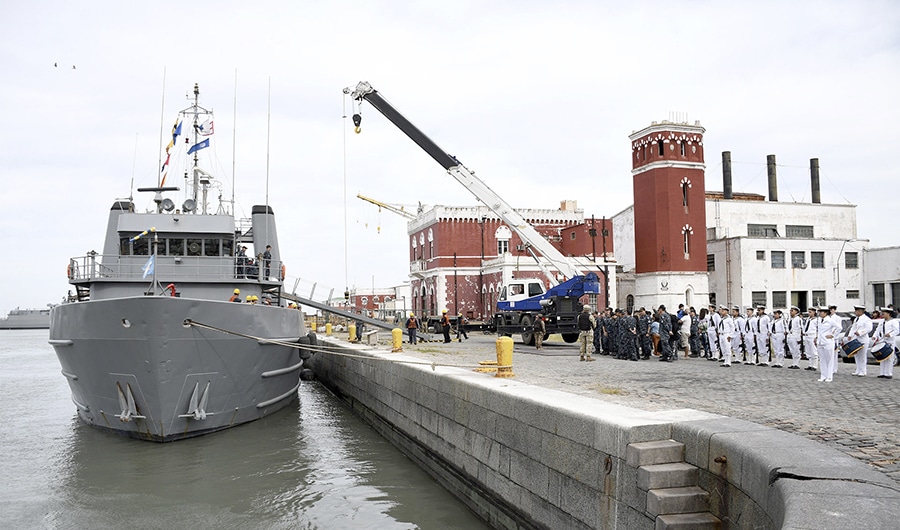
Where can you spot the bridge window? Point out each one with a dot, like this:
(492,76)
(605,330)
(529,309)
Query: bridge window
(211,247)
(176,247)
(194,247)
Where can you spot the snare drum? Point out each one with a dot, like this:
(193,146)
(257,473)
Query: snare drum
(882,351)
(852,348)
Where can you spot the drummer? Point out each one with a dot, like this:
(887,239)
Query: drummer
(889,332)
(859,330)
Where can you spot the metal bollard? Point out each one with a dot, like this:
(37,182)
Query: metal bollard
(352,329)
(504,357)
(328,329)
(396,340)
(312,326)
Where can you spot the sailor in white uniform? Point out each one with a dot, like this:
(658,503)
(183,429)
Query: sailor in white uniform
(739,322)
(761,333)
(888,331)
(836,318)
(810,330)
(779,332)
(860,330)
(712,325)
(749,337)
(794,336)
(827,333)
(726,334)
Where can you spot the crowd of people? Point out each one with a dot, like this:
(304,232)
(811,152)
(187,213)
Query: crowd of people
(752,337)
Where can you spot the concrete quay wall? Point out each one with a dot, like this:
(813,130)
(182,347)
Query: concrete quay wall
(522,456)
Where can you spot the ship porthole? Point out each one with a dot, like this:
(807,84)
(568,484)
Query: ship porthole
(126,323)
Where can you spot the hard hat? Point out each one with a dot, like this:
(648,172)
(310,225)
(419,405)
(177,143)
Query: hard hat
(237,291)
(249,298)
(444,311)
(254,298)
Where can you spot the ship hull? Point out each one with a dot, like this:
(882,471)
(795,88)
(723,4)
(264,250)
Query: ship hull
(136,367)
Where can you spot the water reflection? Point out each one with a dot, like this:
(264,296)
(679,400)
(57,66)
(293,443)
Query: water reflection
(310,465)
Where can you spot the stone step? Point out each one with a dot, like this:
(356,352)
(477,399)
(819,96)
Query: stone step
(658,452)
(688,521)
(674,475)
(665,501)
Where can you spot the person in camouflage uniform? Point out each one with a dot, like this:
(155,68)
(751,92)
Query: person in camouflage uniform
(665,334)
(643,333)
(629,336)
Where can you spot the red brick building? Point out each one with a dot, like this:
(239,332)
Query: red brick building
(668,171)
(461,256)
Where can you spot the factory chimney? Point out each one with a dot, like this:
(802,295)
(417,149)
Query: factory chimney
(814,177)
(726,175)
(773,179)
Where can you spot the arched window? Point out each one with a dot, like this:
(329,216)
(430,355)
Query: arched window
(686,232)
(502,235)
(685,186)
(629,303)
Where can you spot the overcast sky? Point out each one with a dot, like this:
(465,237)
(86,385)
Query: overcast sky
(537,97)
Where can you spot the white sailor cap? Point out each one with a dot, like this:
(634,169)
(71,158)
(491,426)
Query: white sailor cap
(860,307)
(795,308)
(824,308)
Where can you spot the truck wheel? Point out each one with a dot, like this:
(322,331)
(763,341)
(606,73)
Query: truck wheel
(570,337)
(527,331)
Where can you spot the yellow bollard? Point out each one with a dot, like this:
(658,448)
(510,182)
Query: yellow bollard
(352,329)
(328,329)
(312,326)
(504,357)
(396,340)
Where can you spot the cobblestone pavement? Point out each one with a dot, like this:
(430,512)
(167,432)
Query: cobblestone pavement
(856,415)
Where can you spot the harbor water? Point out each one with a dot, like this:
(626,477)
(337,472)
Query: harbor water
(313,465)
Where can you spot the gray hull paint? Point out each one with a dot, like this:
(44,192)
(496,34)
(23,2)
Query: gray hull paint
(142,343)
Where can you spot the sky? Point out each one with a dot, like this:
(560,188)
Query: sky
(538,98)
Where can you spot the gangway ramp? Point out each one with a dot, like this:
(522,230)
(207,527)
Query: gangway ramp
(347,313)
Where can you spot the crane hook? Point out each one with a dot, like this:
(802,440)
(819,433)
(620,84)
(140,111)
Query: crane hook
(357,119)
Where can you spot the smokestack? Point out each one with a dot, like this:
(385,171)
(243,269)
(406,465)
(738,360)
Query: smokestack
(726,175)
(814,178)
(773,179)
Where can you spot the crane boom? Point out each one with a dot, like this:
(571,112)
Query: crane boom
(390,207)
(467,178)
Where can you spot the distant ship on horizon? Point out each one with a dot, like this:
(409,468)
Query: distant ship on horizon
(26,319)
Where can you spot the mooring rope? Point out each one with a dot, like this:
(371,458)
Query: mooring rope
(324,349)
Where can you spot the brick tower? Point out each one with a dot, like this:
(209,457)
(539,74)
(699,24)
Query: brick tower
(669,215)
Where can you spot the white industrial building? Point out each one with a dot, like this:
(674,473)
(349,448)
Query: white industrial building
(882,276)
(782,254)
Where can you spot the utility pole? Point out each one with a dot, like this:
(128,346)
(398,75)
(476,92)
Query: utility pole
(455,288)
(605,263)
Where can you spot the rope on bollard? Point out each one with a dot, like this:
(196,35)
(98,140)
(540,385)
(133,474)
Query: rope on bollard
(323,349)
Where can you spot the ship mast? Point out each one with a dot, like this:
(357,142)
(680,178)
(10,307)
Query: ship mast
(201,178)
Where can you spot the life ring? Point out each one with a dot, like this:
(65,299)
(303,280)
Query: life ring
(69,272)
(283,271)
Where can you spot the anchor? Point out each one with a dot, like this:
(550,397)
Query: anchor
(197,405)
(127,404)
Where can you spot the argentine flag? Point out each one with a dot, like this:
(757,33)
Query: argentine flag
(148,267)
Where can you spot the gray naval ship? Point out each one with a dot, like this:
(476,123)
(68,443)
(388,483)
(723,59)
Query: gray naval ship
(153,344)
(26,319)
